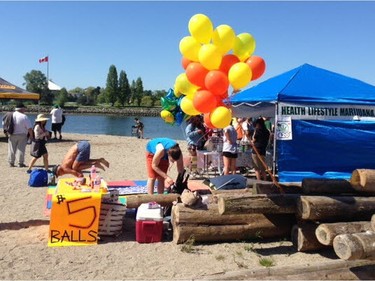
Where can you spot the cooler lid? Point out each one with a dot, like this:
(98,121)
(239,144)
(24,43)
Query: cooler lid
(148,211)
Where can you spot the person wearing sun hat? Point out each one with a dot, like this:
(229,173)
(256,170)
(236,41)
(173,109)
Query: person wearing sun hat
(17,141)
(38,145)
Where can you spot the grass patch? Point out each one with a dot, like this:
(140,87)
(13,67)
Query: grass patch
(188,246)
(220,258)
(266,262)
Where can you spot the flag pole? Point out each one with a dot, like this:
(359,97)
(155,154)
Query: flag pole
(47,70)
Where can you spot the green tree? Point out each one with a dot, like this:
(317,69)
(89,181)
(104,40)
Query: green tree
(124,89)
(138,91)
(36,82)
(112,85)
(62,97)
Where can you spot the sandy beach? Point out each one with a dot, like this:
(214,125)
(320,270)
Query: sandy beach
(24,253)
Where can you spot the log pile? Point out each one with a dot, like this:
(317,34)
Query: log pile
(207,225)
(319,214)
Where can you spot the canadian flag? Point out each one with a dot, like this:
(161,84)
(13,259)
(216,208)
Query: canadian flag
(45,59)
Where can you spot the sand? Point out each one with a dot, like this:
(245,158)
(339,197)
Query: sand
(24,253)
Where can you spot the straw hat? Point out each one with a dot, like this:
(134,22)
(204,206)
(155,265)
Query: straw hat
(41,118)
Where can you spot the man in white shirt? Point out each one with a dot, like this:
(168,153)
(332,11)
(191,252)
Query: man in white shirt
(18,140)
(57,121)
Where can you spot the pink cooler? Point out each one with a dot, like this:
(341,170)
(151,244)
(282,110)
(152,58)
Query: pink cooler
(149,223)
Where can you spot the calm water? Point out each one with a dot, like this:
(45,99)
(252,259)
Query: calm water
(117,126)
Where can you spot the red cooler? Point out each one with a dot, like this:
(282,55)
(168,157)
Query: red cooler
(149,225)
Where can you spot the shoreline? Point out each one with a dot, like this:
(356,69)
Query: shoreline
(126,111)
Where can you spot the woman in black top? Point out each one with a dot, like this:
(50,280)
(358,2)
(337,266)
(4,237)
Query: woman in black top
(259,142)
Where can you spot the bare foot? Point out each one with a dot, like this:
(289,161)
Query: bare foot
(105,162)
(100,166)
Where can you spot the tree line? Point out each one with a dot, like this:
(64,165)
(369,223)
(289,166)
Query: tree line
(118,91)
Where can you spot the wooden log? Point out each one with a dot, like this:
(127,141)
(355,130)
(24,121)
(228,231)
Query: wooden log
(355,246)
(327,270)
(265,204)
(326,232)
(318,186)
(373,222)
(335,208)
(304,239)
(363,180)
(262,228)
(134,201)
(210,216)
(262,187)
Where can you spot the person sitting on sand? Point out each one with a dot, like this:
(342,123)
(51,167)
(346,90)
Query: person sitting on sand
(159,152)
(78,159)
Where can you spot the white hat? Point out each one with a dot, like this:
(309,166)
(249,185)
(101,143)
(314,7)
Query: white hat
(41,118)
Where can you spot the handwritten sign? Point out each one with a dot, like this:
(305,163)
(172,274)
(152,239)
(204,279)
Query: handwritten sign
(74,217)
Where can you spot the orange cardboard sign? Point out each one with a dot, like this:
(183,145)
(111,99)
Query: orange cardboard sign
(74,217)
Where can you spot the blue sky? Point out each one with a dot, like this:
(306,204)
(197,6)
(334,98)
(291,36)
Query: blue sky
(82,39)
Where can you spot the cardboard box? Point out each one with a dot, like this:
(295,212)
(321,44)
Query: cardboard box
(149,223)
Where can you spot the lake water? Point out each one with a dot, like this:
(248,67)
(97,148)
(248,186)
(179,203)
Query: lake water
(117,126)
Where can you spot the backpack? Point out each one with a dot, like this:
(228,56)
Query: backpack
(8,125)
(38,178)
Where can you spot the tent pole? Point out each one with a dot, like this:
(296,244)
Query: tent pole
(274,141)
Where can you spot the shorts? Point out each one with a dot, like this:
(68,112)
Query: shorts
(163,165)
(83,151)
(230,154)
(257,164)
(56,127)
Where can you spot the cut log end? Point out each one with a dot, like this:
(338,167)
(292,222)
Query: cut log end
(323,236)
(347,247)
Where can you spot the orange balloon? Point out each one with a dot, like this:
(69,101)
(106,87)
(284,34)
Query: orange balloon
(185,62)
(216,82)
(257,65)
(207,120)
(227,62)
(196,74)
(204,101)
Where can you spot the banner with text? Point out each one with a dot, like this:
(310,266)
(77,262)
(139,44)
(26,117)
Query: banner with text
(325,112)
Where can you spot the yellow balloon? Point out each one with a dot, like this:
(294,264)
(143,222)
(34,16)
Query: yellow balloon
(176,91)
(220,117)
(167,116)
(239,75)
(210,57)
(201,28)
(223,37)
(244,46)
(188,107)
(189,48)
(184,86)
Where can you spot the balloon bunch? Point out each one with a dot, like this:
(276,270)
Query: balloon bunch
(171,111)
(214,60)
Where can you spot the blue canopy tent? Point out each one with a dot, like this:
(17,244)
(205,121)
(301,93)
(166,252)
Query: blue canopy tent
(316,129)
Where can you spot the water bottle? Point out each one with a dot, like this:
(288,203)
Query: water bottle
(97,182)
(93,175)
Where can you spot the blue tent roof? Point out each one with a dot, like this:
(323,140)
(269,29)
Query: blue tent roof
(309,84)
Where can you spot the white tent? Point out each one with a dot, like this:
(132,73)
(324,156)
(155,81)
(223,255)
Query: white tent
(53,87)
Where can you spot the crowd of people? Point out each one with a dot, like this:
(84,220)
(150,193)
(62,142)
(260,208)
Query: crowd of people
(243,133)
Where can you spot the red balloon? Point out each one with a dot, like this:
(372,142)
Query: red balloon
(185,62)
(227,62)
(196,74)
(204,101)
(224,96)
(207,120)
(219,101)
(216,82)
(257,65)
